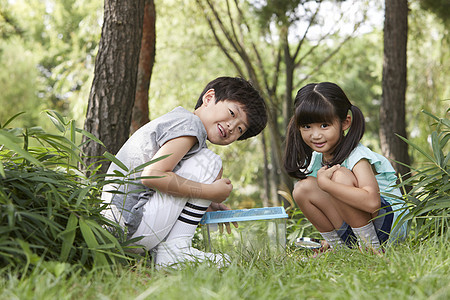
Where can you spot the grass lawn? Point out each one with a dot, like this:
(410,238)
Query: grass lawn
(403,272)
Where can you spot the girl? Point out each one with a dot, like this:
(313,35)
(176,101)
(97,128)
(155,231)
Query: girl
(342,184)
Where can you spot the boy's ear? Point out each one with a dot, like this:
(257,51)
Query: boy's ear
(209,96)
(346,123)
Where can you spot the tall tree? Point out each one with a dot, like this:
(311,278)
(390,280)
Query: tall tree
(392,109)
(274,54)
(114,86)
(140,114)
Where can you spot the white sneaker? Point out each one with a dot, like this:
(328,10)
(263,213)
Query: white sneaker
(169,254)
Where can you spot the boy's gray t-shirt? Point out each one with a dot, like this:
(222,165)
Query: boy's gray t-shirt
(139,149)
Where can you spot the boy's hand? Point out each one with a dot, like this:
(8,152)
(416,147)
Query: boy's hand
(221,189)
(220,206)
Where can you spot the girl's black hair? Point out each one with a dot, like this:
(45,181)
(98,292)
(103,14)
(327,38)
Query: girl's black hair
(317,103)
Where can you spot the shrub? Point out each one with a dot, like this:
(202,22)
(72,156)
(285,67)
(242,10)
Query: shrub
(48,209)
(428,201)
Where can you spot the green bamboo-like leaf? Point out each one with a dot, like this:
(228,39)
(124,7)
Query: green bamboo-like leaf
(91,241)
(73,134)
(56,119)
(117,173)
(430,115)
(141,167)
(43,179)
(436,149)
(106,234)
(81,195)
(68,236)
(115,160)
(8,139)
(11,119)
(90,136)
(32,258)
(444,137)
(56,115)
(430,158)
(2,170)
(431,207)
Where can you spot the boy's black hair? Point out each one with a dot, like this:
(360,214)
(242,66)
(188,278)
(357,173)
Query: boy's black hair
(240,90)
(317,103)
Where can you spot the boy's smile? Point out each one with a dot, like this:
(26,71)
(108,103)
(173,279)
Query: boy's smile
(224,121)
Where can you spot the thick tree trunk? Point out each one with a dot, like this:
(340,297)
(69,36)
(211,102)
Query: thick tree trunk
(392,110)
(140,114)
(114,86)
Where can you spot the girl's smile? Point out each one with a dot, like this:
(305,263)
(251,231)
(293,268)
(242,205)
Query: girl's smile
(324,137)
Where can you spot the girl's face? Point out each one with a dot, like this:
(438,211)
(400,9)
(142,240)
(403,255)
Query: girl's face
(324,137)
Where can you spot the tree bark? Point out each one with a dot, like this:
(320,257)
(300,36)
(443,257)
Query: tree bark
(266,191)
(392,110)
(113,89)
(140,114)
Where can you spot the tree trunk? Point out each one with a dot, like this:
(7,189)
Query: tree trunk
(114,86)
(140,114)
(392,110)
(266,191)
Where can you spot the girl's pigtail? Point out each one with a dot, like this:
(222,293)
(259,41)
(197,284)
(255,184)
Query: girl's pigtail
(356,131)
(294,154)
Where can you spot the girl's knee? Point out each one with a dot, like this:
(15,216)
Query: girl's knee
(344,176)
(302,188)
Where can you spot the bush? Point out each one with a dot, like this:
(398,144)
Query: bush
(48,209)
(428,202)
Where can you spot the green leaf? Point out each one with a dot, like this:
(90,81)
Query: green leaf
(115,160)
(68,236)
(141,167)
(11,119)
(2,170)
(430,158)
(82,194)
(8,140)
(430,115)
(436,149)
(90,136)
(56,119)
(105,233)
(32,258)
(91,241)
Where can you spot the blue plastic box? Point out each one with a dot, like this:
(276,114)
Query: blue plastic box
(260,229)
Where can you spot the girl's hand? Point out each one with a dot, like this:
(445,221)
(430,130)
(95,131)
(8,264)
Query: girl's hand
(221,189)
(325,173)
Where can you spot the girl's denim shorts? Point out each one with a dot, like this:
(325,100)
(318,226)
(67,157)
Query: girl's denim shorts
(382,223)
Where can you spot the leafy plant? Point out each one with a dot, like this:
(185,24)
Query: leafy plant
(48,209)
(428,202)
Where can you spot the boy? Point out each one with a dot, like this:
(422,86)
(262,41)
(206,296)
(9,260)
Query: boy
(166,206)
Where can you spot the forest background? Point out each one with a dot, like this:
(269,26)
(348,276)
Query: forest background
(48,50)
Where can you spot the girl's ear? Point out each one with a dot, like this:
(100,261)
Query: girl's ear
(346,123)
(209,96)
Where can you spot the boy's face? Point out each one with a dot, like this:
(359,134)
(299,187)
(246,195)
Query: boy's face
(225,121)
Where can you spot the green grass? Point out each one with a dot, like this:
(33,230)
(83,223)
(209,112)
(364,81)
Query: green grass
(404,272)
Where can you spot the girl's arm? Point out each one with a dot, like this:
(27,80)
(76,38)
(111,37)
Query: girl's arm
(364,196)
(175,185)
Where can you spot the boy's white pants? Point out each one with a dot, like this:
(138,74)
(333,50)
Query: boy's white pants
(162,210)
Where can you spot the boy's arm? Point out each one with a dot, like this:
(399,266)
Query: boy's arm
(175,185)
